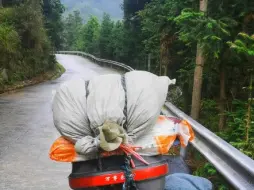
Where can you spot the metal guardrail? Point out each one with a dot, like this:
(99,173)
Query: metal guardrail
(235,166)
(98,60)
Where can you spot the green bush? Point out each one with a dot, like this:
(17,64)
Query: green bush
(9,45)
(209,115)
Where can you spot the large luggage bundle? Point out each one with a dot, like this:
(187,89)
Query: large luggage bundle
(108,110)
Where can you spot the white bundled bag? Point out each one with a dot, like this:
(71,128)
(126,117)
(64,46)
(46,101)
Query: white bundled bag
(80,109)
(146,94)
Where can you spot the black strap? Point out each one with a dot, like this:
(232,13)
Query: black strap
(87,94)
(123,80)
(87,89)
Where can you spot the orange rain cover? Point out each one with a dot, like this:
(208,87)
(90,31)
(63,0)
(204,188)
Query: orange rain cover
(62,150)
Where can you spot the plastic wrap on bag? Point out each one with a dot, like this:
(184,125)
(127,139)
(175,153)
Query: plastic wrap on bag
(157,141)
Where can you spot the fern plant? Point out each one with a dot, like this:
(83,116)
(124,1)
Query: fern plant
(244,44)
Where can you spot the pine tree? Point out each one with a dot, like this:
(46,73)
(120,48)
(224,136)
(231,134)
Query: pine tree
(105,37)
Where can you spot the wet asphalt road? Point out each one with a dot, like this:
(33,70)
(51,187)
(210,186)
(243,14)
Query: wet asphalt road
(27,132)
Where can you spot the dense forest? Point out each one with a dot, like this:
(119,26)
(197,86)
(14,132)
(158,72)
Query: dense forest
(30,30)
(208,46)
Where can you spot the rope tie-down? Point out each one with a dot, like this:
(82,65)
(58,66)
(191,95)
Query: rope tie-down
(129,179)
(113,139)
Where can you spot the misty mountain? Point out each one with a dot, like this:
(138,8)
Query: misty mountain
(94,7)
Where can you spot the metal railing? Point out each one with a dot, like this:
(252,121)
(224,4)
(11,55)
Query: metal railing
(98,60)
(235,166)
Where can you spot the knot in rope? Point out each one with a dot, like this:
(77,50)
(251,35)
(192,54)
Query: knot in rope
(112,136)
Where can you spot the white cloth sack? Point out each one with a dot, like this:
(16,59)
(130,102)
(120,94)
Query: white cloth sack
(77,118)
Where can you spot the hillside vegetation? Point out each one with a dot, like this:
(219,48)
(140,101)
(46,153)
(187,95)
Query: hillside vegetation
(29,31)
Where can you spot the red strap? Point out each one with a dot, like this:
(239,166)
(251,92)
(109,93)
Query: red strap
(175,120)
(118,177)
(127,149)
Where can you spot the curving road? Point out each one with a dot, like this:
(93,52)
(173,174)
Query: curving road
(27,132)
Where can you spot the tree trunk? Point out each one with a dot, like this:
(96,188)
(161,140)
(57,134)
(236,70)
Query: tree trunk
(203,5)
(197,84)
(186,98)
(149,62)
(198,74)
(223,97)
(165,70)
(248,124)
(164,53)
(1,3)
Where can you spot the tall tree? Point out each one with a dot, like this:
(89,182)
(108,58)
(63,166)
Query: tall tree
(72,26)
(53,10)
(135,53)
(91,35)
(34,37)
(105,37)
(116,41)
(9,45)
(198,73)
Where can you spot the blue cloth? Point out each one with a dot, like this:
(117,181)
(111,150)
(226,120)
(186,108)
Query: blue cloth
(181,181)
